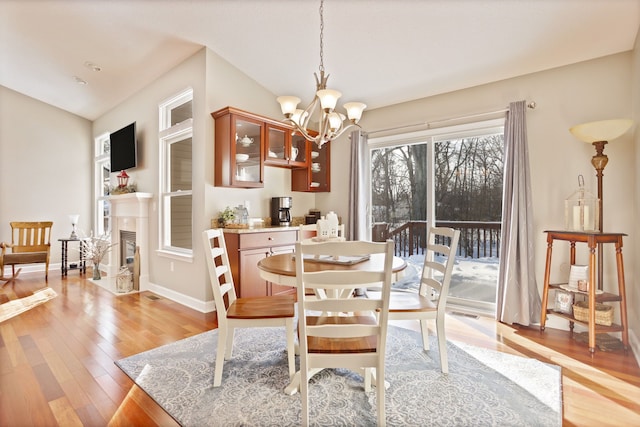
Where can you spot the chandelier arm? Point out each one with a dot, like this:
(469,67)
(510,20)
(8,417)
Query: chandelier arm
(325,130)
(301,130)
(311,108)
(344,129)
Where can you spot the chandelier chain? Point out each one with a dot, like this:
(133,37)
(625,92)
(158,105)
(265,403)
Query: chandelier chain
(321,36)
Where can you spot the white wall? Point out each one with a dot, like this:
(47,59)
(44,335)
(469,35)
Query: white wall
(594,90)
(216,84)
(45,168)
(633,290)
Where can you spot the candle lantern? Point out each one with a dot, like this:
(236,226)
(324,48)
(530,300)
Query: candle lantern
(123,179)
(581,209)
(124,281)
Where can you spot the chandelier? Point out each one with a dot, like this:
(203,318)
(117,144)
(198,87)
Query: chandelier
(331,124)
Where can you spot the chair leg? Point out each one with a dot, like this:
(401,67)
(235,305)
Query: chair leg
(442,345)
(13,277)
(219,364)
(304,398)
(230,332)
(380,395)
(368,374)
(424,327)
(291,352)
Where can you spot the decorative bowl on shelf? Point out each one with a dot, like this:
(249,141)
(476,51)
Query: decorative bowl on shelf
(314,154)
(242,157)
(315,184)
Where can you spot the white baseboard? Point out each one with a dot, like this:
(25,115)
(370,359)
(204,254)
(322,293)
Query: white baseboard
(201,306)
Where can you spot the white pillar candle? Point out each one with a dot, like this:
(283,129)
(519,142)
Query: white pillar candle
(576,218)
(587,219)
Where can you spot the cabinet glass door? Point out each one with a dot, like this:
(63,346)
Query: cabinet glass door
(248,156)
(319,168)
(276,146)
(298,150)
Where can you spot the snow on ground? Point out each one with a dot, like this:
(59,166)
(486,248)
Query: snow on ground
(473,278)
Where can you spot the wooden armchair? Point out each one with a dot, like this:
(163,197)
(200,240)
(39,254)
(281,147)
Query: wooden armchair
(30,244)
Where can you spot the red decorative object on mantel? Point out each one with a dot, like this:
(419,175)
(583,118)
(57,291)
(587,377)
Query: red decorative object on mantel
(123,179)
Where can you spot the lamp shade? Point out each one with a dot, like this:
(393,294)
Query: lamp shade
(288,104)
(354,110)
(335,121)
(603,130)
(328,99)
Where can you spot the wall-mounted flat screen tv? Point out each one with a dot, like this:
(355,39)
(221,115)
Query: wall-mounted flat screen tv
(124,153)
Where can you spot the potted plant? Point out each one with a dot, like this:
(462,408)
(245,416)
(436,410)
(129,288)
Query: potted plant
(94,249)
(226,216)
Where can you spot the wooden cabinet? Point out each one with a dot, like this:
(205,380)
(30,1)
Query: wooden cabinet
(245,249)
(282,149)
(239,149)
(246,142)
(594,241)
(317,176)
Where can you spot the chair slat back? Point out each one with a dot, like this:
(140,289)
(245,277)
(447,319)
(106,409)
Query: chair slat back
(31,236)
(442,264)
(337,286)
(219,271)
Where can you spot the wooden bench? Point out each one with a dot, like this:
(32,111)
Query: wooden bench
(30,244)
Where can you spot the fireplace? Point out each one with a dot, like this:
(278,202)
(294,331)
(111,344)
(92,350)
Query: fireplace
(130,228)
(127,249)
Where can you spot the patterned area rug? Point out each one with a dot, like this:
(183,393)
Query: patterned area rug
(179,378)
(14,307)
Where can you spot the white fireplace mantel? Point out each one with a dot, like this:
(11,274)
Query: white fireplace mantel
(129,212)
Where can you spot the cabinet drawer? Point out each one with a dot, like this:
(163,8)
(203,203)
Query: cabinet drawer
(268,239)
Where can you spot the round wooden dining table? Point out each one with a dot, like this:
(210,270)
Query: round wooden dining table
(281,268)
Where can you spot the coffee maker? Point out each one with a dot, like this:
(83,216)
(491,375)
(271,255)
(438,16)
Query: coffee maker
(281,211)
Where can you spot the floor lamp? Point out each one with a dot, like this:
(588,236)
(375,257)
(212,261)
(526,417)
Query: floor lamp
(598,134)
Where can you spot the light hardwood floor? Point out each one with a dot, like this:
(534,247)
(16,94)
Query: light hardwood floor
(56,360)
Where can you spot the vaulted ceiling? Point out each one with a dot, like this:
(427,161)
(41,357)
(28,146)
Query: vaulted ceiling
(380,52)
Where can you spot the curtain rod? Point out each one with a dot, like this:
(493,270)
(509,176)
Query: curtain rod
(532,105)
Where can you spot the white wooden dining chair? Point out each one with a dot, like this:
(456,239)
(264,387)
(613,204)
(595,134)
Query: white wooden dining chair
(435,279)
(242,312)
(351,336)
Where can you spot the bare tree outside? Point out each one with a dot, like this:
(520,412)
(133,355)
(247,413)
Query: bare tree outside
(467,179)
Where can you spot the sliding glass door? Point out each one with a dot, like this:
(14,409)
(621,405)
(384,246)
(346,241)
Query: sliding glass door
(452,178)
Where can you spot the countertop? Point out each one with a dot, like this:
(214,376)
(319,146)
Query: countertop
(260,229)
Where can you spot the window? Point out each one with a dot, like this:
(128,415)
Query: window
(102,169)
(176,167)
(448,177)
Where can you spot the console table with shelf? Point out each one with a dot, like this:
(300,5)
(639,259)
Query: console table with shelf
(82,262)
(594,241)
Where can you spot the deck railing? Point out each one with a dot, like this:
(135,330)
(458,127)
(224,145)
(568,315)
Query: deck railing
(478,239)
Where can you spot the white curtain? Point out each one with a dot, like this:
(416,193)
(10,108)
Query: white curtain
(357,224)
(518,299)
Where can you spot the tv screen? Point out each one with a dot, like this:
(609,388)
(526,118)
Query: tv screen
(123,148)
